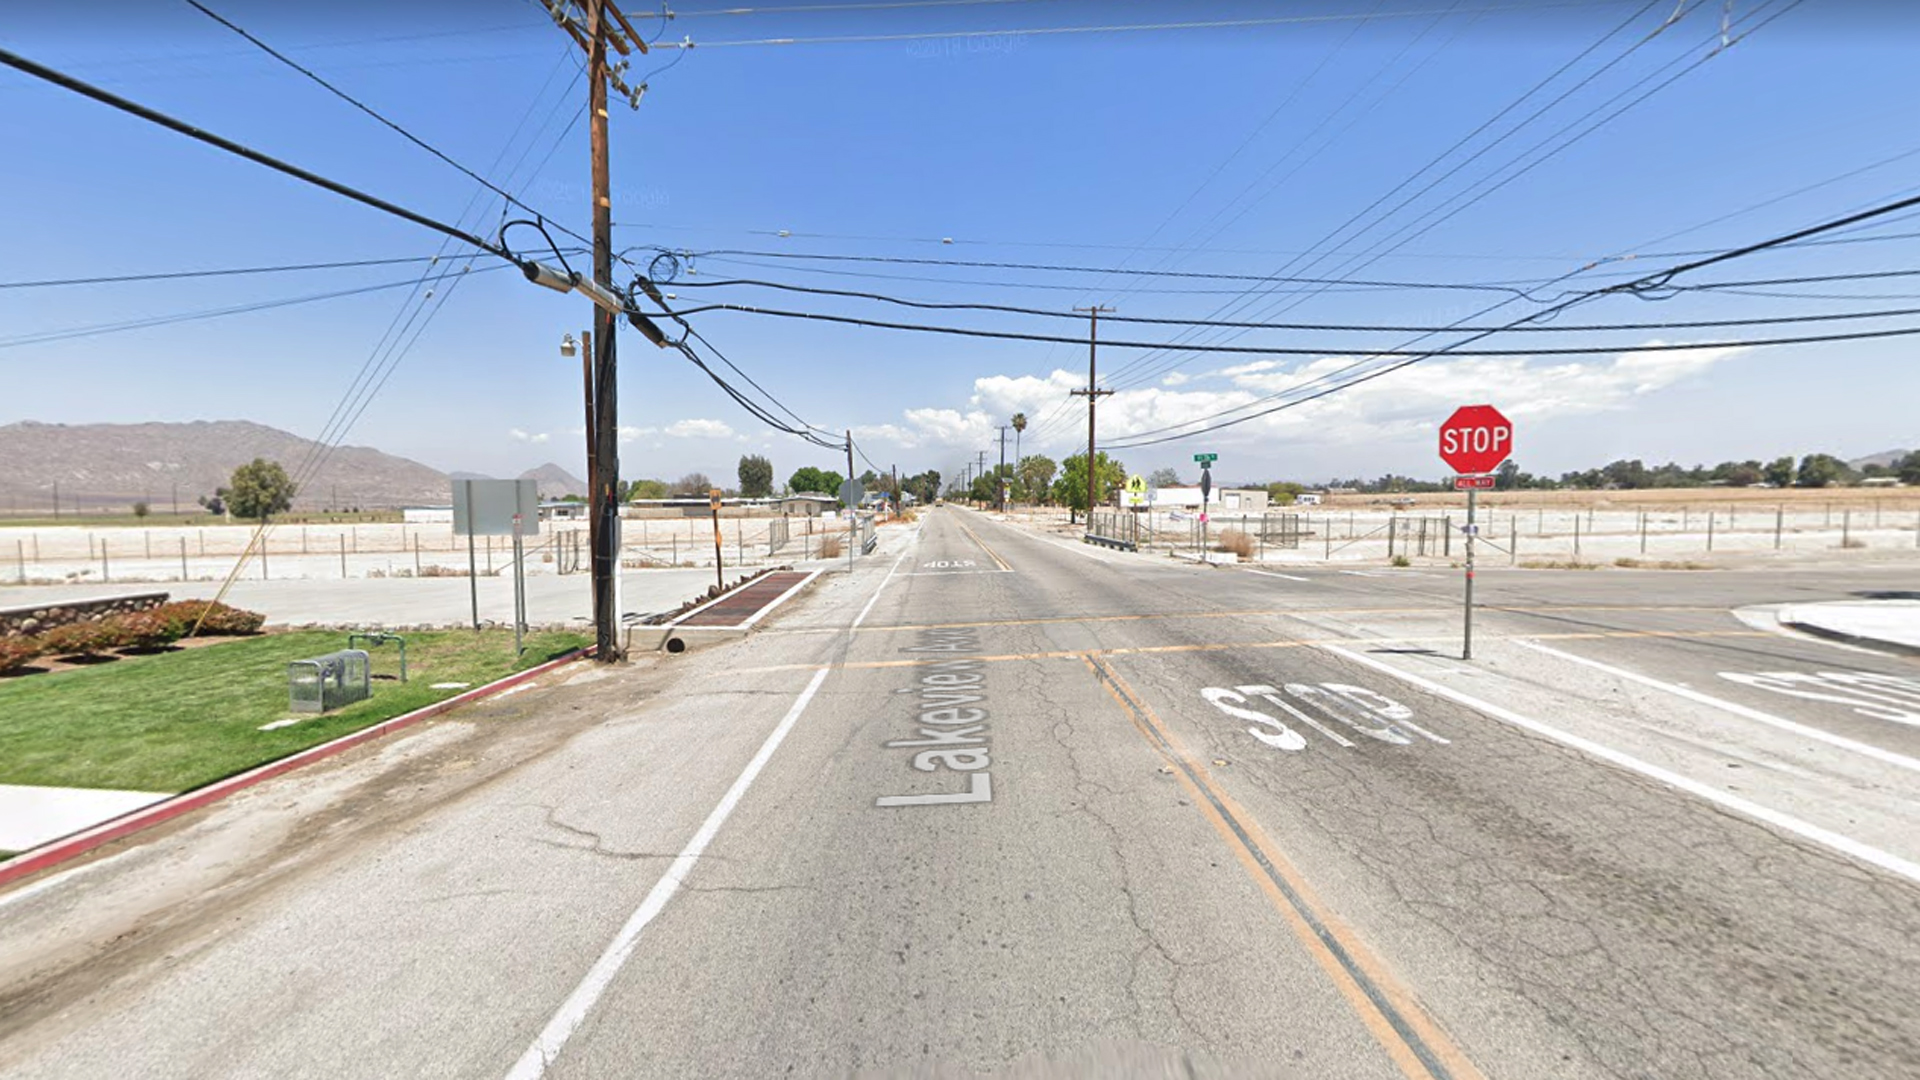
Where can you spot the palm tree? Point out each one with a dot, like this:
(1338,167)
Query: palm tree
(1019,425)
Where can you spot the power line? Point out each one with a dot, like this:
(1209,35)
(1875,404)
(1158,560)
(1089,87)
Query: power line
(1354,327)
(1268,350)
(67,82)
(1452,350)
(171,275)
(1114,270)
(370,111)
(1346,327)
(1114,28)
(1401,237)
(97,329)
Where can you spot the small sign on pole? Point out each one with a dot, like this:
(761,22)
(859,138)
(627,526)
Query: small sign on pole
(1473,483)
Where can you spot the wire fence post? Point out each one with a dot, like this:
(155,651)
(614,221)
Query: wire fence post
(105,573)
(263,556)
(1643,532)
(416,554)
(20,556)
(343,556)
(1709,532)
(1513,540)
(1779,524)
(183,559)
(1576,536)
(1846,528)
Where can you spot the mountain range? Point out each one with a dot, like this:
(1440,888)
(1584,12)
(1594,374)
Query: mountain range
(112,466)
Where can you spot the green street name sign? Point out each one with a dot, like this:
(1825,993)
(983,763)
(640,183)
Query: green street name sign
(1206,459)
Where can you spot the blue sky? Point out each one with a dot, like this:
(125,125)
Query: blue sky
(1221,150)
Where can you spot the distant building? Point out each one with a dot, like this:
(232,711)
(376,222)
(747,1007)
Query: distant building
(1307,498)
(1882,482)
(1239,500)
(806,504)
(427,515)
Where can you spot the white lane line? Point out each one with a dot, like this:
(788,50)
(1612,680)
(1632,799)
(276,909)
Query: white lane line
(1841,741)
(862,617)
(552,1038)
(1270,573)
(1846,845)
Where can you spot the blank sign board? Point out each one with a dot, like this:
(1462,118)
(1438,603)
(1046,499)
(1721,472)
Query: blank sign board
(487,507)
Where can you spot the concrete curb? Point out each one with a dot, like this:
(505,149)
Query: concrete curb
(1891,648)
(55,852)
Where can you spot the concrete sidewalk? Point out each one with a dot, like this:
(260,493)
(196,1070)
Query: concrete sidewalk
(1886,624)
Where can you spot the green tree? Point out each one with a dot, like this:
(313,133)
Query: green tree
(1034,474)
(259,490)
(1164,478)
(1780,472)
(694,483)
(756,476)
(1820,470)
(1019,423)
(648,489)
(1908,468)
(141,509)
(1283,493)
(821,481)
(1071,489)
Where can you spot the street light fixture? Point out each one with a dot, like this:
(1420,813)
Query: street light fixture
(566,346)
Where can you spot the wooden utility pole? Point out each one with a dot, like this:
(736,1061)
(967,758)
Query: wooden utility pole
(1093,394)
(1000,478)
(605,26)
(606,554)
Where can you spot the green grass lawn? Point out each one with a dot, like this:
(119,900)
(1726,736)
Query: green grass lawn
(176,720)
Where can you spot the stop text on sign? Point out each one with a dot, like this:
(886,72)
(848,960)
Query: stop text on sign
(1476,439)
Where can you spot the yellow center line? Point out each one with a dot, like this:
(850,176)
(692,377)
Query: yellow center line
(997,560)
(1414,1041)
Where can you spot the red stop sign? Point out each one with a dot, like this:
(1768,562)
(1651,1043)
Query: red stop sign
(1475,439)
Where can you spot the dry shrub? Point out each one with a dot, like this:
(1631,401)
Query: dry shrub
(1235,541)
(149,629)
(83,639)
(830,547)
(220,619)
(17,652)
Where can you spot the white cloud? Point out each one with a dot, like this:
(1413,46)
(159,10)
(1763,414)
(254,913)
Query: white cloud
(1409,403)
(1400,409)
(521,436)
(699,429)
(1176,378)
(630,434)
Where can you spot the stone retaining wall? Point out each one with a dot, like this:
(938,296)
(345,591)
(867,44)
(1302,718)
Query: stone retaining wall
(37,617)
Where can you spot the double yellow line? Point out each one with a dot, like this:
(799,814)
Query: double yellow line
(1413,1040)
(997,560)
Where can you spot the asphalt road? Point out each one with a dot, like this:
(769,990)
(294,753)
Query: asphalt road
(1000,802)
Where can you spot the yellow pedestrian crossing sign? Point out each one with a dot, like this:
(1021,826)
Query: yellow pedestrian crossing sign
(1136,490)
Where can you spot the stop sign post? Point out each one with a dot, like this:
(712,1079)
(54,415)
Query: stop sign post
(1474,441)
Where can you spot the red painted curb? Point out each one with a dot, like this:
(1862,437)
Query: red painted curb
(58,851)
